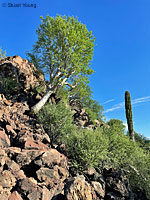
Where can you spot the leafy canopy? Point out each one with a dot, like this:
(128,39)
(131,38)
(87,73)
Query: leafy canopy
(64,50)
(117,126)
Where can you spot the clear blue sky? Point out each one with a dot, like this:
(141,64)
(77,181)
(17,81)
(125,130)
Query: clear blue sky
(121,57)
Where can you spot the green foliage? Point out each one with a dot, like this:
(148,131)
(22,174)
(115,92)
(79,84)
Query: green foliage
(139,173)
(40,88)
(92,107)
(128,108)
(2,53)
(123,153)
(106,148)
(84,99)
(10,85)
(63,50)
(64,94)
(120,148)
(38,73)
(92,115)
(57,121)
(143,142)
(117,126)
(139,138)
(87,148)
(83,93)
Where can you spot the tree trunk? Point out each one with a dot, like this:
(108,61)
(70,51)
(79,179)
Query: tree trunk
(132,136)
(42,102)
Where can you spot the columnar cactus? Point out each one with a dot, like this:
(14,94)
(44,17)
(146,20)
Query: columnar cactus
(128,108)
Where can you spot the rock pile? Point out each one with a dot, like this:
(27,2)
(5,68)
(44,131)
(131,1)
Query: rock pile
(82,119)
(29,168)
(19,78)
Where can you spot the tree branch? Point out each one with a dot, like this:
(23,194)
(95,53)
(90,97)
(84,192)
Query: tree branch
(70,85)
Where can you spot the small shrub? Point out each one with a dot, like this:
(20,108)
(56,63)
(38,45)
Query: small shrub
(87,148)
(117,126)
(126,154)
(57,120)
(10,85)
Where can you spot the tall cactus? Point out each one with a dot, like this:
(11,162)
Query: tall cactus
(128,108)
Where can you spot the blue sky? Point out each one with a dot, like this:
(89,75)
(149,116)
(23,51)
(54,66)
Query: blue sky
(121,56)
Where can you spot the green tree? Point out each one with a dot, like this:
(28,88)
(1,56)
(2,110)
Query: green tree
(117,126)
(2,53)
(64,50)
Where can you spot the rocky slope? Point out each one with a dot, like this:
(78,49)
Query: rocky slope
(29,168)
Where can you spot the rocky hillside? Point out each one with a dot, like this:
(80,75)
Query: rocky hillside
(29,168)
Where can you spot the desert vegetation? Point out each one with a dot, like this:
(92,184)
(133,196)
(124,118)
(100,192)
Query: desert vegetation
(64,51)
(101,148)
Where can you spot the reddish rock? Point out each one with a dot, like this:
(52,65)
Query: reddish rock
(98,188)
(24,72)
(4,195)
(36,194)
(43,194)
(47,175)
(15,196)
(19,174)
(4,140)
(52,157)
(17,59)
(52,176)
(77,188)
(46,194)
(12,151)
(34,144)
(10,131)
(27,156)
(53,170)
(3,157)
(7,180)
(32,191)
(14,168)
(21,127)
(27,186)
(12,165)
